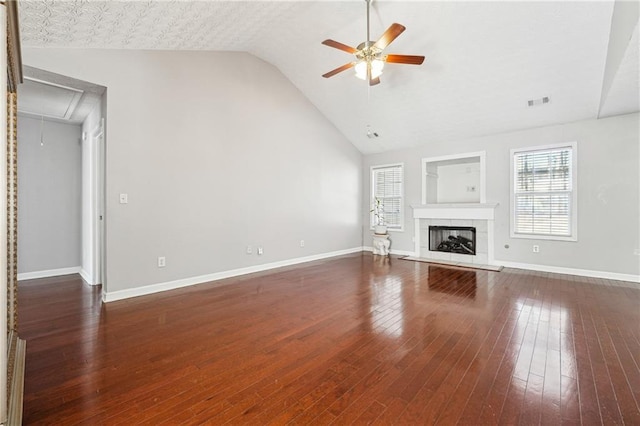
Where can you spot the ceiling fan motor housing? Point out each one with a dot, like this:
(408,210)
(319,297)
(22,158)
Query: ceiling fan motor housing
(369,57)
(368,52)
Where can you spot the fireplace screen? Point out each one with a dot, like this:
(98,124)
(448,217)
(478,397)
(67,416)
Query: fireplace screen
(453,239)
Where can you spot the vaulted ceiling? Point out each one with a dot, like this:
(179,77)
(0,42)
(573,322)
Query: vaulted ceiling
(484,60)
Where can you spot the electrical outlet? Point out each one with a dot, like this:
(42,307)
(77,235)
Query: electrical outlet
(249,250)
(536,248)
(301,243)
(124,198)
(162,262)
(260,251)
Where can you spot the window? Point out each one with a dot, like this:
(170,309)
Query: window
(387,186)
(543,194)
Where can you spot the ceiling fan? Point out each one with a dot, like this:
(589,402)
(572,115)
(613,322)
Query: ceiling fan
(370,58)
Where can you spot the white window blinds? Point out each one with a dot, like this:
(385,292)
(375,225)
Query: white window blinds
(543,192)
(387,184)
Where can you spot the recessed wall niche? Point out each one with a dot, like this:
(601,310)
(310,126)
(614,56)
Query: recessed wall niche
(454,179)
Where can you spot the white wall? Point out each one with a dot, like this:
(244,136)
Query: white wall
(216,151)
(431,180)
(456,181)
(49,200)
(608,193)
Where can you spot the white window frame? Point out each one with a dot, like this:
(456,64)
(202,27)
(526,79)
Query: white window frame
(574,193)
(372,195)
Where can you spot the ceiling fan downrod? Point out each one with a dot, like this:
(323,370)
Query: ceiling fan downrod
(368,27)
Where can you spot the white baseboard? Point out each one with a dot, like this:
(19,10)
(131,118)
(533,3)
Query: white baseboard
(86,276)
(185,282)
(571,271)
(545,268)
(48,273)
(392,251)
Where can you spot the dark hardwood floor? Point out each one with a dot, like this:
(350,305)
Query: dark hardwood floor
(353,339)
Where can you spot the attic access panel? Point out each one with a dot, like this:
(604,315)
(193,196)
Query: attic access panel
(41,98)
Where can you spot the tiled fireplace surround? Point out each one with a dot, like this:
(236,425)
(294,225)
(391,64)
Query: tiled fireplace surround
(478,215)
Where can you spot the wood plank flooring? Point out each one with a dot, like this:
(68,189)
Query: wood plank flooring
(356,339)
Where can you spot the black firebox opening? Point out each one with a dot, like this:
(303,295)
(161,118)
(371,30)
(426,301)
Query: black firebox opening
(453,239)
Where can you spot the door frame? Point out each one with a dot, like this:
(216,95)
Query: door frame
(98,216)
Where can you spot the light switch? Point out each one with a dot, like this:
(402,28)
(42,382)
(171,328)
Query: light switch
(124,198)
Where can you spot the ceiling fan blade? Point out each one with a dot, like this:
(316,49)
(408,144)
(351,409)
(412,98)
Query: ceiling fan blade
(339,70)
(405,59)
(391,34)
(340,46)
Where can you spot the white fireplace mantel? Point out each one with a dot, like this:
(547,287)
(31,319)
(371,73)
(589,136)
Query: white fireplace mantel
(457,211)
(482,211)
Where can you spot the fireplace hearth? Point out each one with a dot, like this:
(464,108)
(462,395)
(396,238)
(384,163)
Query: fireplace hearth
(453,239)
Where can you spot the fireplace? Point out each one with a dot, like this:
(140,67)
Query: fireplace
(478,215)
(453,239)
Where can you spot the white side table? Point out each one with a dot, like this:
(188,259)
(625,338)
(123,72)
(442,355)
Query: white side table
(381,244)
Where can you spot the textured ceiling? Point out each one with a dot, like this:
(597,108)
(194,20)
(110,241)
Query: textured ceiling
(484,60)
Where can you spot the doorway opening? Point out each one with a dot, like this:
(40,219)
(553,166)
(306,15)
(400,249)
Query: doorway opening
(61,210)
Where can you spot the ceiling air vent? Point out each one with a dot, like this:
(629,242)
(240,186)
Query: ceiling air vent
(534,102)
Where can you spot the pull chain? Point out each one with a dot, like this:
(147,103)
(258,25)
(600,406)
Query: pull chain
(42,130)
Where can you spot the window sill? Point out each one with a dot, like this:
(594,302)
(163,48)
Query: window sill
(573,238)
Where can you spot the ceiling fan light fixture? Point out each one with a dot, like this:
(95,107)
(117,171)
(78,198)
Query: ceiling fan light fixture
(377,65)
(370,56)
